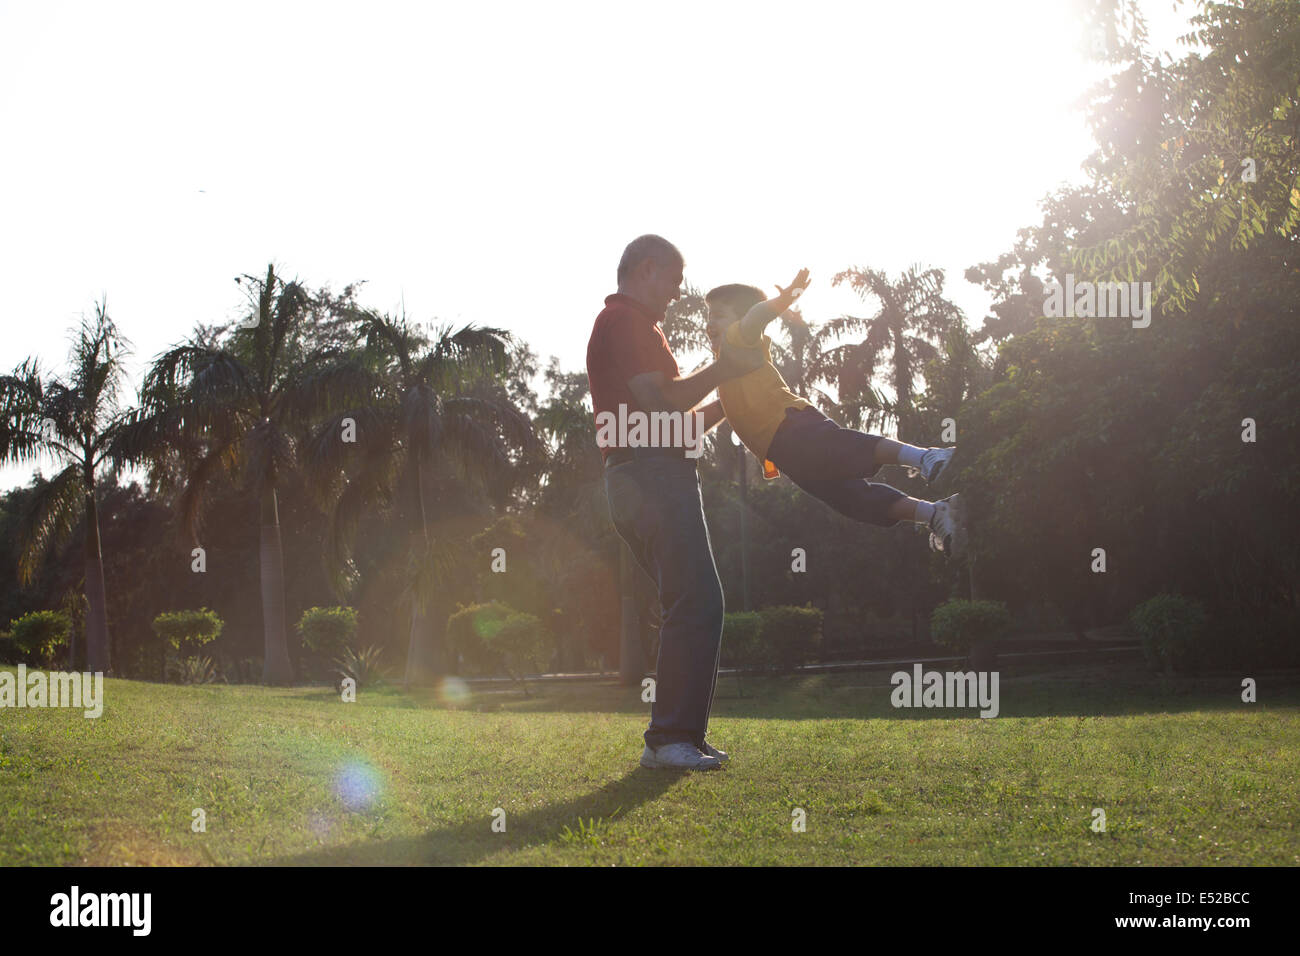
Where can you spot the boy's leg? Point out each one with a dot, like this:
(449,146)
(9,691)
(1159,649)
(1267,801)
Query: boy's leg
(862,500)
(882,505)
(815,453)
(820,449)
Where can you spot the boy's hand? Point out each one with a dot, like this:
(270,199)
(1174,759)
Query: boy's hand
(785,297)
(757,318)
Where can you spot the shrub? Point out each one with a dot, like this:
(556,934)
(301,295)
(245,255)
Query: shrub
(469,634)
(792,635)
(742,644)
(187,631)
(522,643)
(961,625)
(37,634)
(362,665)
(327,630)
(192,670)
(1174,631)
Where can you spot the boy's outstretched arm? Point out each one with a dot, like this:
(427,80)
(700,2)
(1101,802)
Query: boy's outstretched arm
(757,318)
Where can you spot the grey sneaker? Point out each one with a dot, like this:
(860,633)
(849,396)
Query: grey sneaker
(948,527)
(683,756)
(711,751)
(933,463)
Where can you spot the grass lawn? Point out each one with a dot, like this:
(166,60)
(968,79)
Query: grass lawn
(1186,774)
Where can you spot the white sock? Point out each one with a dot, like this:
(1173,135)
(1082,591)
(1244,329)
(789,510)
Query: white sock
(924,512)
(910,455)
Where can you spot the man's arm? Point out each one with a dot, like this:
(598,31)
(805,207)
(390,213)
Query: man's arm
(757,318)
(655,392)
(713,415)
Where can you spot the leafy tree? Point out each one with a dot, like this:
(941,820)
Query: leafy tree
(911,315)
(433,420)
(241,405)
(799,354)
(1200,153)
(74,420)
(685,327)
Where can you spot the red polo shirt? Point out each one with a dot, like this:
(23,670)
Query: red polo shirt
(625,341)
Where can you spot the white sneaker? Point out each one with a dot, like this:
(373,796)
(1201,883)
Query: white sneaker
(682,756)
(948,527)
(711,751)
(933,463)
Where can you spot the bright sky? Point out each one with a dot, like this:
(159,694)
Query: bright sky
(487,162)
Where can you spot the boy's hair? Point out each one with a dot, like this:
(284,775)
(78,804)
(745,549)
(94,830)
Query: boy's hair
(738,296)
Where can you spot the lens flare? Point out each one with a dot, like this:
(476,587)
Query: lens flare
(452,692)
(357,785)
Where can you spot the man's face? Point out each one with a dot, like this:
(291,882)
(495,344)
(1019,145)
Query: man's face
(665,284)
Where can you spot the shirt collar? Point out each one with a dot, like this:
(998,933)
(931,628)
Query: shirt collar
(641,310)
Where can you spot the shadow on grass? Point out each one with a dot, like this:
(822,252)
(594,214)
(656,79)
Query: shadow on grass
(474,840)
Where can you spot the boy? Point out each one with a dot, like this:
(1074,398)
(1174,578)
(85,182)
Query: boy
(825,460)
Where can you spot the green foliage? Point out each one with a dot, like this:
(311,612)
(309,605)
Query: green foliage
(521,642)
(1174,631)
(742,644)
(192,670)
(469,634)
(1201,150)
(494,638)
(327,630)
(962,624)
(792,635)
(360,664)
(37,634)
(187,631)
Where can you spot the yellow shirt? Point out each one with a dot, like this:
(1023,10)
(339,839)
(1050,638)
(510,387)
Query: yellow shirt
(755,403)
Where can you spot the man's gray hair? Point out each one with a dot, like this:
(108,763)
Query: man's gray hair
(645,247)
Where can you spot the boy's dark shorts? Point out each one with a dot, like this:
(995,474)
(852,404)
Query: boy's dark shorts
(833,464)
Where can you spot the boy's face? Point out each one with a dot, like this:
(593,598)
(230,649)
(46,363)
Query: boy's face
(721,315)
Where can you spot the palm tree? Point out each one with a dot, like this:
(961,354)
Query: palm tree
(912,315)
(242,406)
(801,359)
(435,404)
(74,420)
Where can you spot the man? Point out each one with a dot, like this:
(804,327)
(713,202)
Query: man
(654,493)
